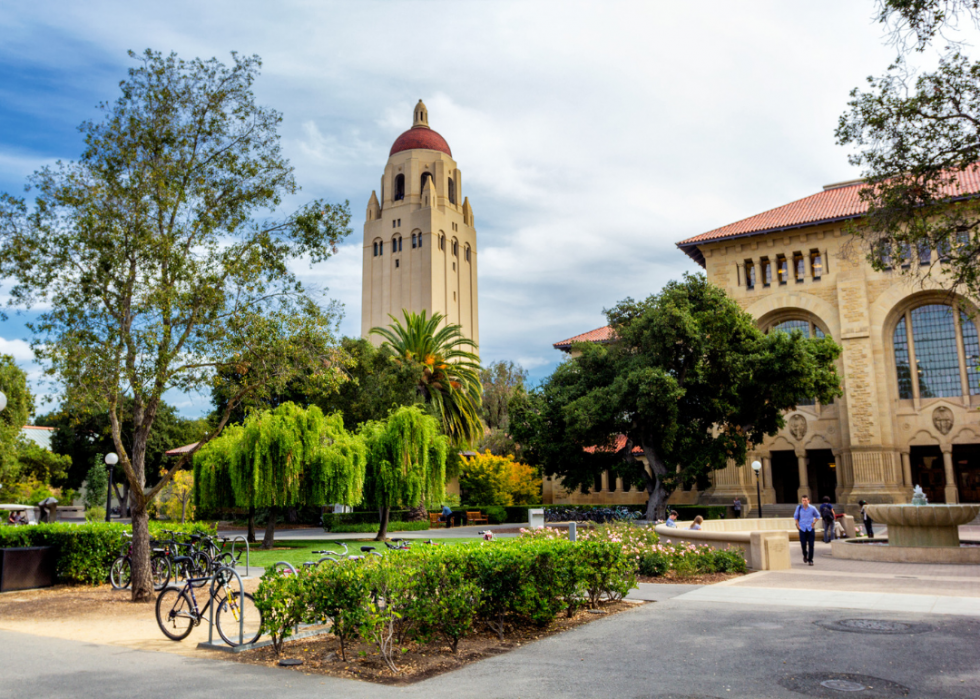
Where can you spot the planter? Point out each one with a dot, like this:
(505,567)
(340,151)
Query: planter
(26,568)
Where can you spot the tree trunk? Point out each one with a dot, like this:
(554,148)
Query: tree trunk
(657,502)
(140,557)
(383,530)
(183,510)
(251,525)
(270,530)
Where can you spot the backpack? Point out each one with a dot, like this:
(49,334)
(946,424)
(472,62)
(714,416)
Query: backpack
(827,513)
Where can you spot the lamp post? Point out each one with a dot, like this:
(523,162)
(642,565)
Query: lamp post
(110,460)
(757,467)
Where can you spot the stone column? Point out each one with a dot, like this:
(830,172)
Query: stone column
(804,476)
(768,492)
(952,492)
(907,469)
(604,481)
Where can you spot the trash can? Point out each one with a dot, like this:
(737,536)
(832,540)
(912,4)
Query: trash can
(535,517)
(26,568)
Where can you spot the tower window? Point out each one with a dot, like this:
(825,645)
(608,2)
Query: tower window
(397,244)
(397,261)
(399,187)
(816,264)
(452,191)
(455,248)
(454,266)
(420,240)
(782,269)
(467,253)
(381,248)
(394,224)
(413,241)
(426,176)
(799,267)
(766,266)
(376,248)
(749,274)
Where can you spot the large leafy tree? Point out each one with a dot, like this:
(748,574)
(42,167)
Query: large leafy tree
(406,461)
(20,407)
(450,377)
(914,133)
(690,380)
(281,458)
(164,257)
(501,381)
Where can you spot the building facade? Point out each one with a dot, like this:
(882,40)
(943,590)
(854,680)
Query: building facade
(419,237)
(909,364)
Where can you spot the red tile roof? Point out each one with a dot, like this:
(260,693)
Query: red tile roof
(420,137)
(181,450)
(603,334)
(620,444)
(38,427)
(835,203)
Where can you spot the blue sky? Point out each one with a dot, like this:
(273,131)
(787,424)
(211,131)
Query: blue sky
(591,136)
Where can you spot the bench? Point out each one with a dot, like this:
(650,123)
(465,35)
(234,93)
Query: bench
(476,518)
(434,522)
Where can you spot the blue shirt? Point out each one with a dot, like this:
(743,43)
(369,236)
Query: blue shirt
(806,516)
(670,522)
(446,511)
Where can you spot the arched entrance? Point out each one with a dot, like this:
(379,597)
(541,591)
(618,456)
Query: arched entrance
(929,472)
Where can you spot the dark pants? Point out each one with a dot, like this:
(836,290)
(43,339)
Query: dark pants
(806,539)
(738,513)
(828,531)
(867,528)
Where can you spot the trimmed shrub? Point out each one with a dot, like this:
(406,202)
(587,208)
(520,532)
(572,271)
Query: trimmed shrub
(332,519)
(370,528)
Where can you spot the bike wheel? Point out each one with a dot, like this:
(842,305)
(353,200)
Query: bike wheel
(175,614)
(202,564)
(230,612)
(160,569)
(224,560)
(120,574)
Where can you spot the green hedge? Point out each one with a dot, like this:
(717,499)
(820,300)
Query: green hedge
(332,519)
(497,514)
(689,512)
(392,527)
(442,592)
(84,551)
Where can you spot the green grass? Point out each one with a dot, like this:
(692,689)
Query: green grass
(297,552)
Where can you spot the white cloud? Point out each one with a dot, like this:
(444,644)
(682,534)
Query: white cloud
(18,349)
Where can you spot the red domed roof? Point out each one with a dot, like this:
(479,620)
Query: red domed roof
(420,138)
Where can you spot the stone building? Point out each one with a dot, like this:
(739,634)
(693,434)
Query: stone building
(909,365)
(419,237)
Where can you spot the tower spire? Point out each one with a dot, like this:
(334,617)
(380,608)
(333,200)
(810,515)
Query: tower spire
(420,119)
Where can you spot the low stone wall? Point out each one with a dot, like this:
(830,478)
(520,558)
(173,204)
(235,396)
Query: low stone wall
(787,524)
(764,550)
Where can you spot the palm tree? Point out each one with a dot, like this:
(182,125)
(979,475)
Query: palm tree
(450,380)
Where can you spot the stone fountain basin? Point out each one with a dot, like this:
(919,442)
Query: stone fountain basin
(923,525)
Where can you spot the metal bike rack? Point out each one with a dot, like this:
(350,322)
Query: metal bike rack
(214,603)
(246,551)
(284,563)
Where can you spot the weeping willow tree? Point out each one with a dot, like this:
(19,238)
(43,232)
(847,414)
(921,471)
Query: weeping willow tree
(406,461)
(280,458)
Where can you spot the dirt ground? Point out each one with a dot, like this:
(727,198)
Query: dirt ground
(98,615)
(321,654)
(672,579)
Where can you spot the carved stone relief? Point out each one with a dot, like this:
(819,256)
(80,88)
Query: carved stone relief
(797,426)
(942,418)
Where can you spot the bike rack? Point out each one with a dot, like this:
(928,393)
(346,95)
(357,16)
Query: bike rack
(284,563)
(214,603)
(233,541)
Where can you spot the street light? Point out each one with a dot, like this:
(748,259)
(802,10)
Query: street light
(110,460)
(757,467)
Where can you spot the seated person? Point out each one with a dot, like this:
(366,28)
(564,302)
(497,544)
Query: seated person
(672,519)
(446,516)
(696,524)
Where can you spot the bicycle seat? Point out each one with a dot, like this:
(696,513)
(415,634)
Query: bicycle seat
(367,549)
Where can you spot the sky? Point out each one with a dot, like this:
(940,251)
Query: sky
(592,136)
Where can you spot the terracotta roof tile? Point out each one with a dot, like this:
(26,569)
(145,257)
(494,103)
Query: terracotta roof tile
(181,450)
(620,444)
(833,204)
(603,334)
(418,137)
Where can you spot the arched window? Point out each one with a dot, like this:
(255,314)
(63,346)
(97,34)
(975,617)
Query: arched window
(452,191)
(399,187)
(930,338)
(467,253)
(413,241)
(375,248)
(426,176)
(809,330)
(455,248)
(396,244)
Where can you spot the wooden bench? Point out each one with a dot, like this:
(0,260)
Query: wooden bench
(476,518)
(434,522)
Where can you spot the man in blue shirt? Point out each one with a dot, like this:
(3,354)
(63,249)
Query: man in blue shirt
(805,515)
(672,519)
(447,516)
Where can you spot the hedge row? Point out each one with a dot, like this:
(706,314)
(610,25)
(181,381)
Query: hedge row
(444,592)
(85,551)
(392,527)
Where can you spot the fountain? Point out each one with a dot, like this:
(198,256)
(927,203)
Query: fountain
(917,533)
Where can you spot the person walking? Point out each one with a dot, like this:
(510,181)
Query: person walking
(805,515)
(866,518)
(737,506)
(828,516)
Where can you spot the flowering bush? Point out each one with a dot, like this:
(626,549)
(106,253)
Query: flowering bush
(642,547)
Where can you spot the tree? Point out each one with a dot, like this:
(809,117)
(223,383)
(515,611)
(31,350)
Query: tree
(177,501)
(690,380)
(450,379)
(915,134)
(96,486)
(501,380)
(163,259)
(406,462)
(20,407)
(281,458)
(488,479)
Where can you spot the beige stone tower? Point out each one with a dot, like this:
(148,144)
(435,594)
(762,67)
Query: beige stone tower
(419,237)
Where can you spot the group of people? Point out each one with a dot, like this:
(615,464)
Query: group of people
(672,521)
(17,517)
(806,514)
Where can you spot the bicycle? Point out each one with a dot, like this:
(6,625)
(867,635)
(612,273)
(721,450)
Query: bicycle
(178,613)
(121,570)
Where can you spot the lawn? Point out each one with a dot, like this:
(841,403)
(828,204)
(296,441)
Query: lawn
(299,551)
